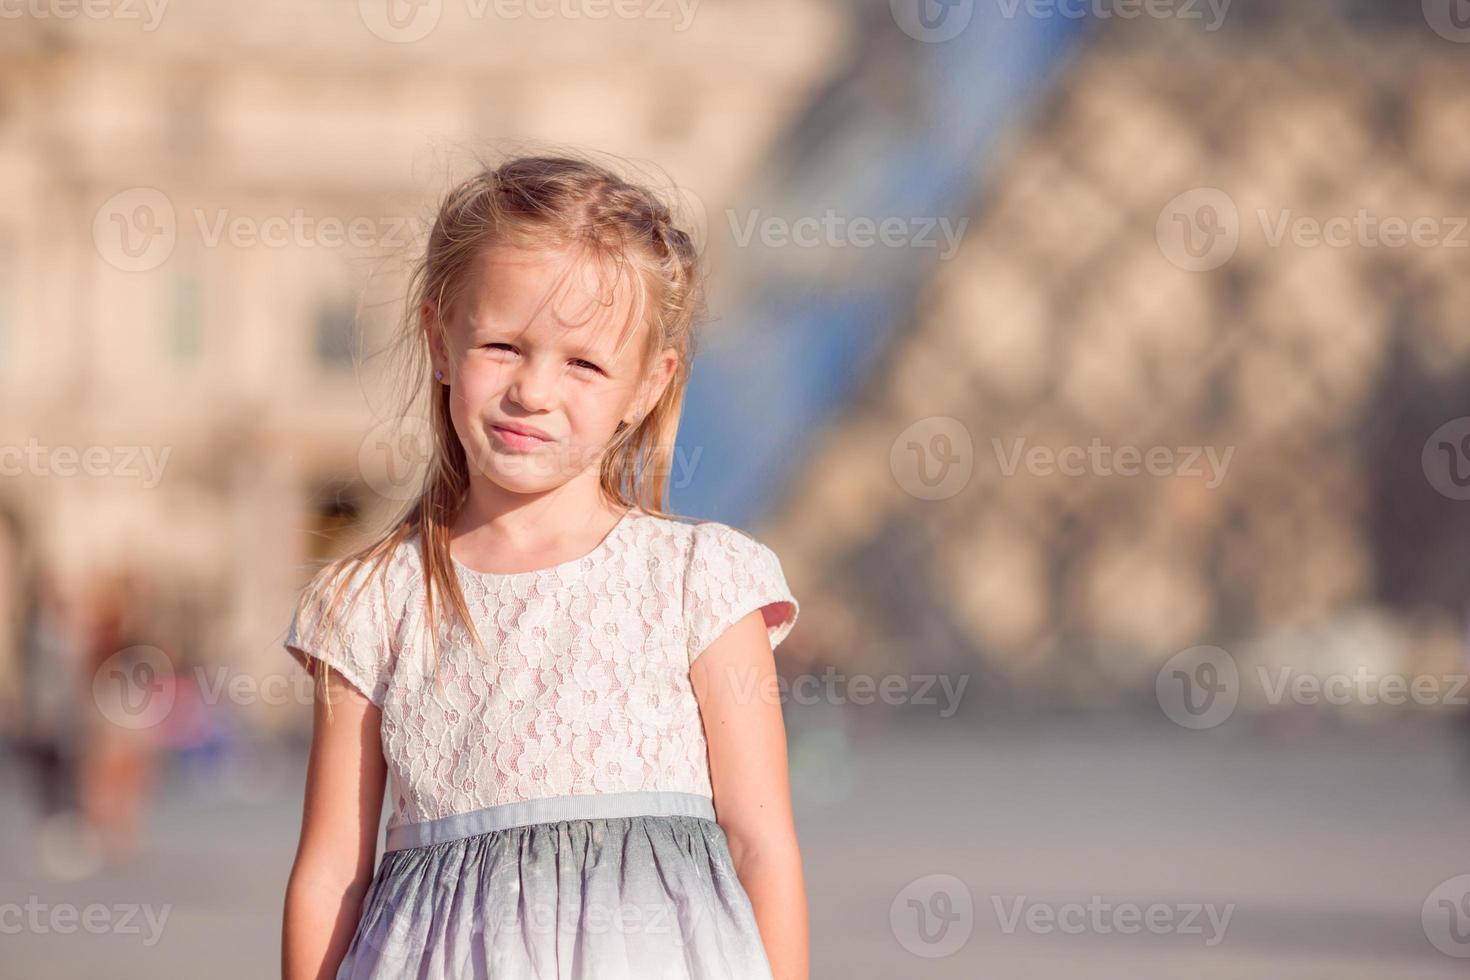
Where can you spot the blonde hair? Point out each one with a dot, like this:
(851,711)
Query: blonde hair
(551,201)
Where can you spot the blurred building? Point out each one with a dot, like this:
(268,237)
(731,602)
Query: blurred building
(1076,314)
(208,220)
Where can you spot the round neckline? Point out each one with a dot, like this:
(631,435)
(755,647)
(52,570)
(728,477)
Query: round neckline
(596,552)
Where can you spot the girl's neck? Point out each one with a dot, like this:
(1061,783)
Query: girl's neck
(524,531)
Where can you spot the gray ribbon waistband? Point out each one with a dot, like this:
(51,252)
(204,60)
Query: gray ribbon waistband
(580,806)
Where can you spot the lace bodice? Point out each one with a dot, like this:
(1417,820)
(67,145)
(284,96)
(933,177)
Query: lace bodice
(586,689)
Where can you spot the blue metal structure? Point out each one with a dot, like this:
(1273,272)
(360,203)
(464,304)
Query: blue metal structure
(904,130)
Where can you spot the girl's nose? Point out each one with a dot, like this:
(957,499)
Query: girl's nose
(534,386)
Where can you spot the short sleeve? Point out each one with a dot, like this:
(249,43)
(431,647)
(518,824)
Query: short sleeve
(730,575)
(356,642)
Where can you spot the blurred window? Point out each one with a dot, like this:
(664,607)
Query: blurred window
(335,329)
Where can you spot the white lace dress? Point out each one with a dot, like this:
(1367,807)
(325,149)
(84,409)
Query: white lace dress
(552,815)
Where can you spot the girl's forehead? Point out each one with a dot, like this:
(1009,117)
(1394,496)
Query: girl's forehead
(552,294)
(539,271)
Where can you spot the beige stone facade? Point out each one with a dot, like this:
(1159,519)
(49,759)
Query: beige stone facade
(198,207)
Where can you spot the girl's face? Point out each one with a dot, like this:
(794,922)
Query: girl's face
(537,384)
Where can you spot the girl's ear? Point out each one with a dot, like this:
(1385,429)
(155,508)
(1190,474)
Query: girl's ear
(655,384)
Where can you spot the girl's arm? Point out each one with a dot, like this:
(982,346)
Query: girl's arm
(734,680)
(339,832)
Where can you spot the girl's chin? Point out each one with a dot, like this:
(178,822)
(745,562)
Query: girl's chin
(549,465)
(521,471)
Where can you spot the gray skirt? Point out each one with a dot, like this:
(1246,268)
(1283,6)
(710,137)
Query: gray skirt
(638,886)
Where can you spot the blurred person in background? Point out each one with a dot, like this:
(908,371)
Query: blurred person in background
(202,742)
(50,727)
(131,686)
(1462,726)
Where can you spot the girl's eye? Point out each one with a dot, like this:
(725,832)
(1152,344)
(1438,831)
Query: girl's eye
(578,362)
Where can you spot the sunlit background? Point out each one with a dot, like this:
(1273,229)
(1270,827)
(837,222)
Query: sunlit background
(1099,370)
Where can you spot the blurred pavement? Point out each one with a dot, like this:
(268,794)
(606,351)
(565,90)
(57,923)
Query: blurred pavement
(1328,845)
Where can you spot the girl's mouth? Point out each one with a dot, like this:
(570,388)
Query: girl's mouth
(516,440)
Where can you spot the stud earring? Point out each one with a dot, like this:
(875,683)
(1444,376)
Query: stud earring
(438,375)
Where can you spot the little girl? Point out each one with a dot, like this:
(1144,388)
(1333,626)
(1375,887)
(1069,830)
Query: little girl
(568,691)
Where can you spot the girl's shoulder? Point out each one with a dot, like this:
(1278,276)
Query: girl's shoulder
(389,580)
(727,574)
(352,615)
(696,540)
